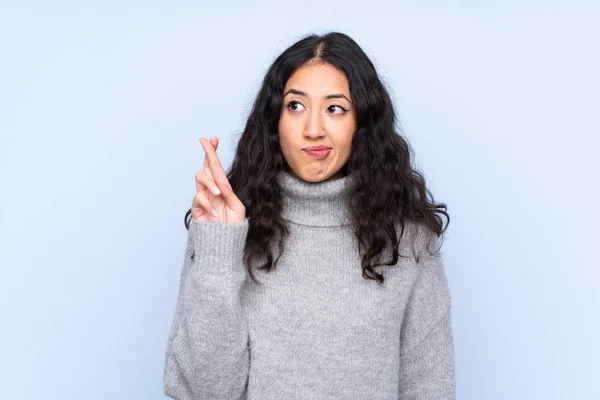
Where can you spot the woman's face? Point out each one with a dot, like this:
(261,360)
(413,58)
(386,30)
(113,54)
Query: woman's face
(317,111)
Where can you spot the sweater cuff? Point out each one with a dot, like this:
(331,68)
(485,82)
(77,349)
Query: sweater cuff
(219,245)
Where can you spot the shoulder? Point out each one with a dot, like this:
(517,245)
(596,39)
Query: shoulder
(417,240)
(423,247)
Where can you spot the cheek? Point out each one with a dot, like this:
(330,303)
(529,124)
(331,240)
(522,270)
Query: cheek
(345,140)
(287,132)
(284,140)
(283,127)
(345,153)
(282,134)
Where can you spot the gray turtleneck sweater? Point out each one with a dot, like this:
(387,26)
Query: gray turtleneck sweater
(315,328)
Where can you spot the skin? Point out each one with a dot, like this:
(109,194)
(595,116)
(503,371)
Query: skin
(215,200)
(311,119)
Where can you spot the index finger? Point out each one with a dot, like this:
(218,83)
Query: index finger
(212,164)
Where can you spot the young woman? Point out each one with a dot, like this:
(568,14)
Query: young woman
(312,268)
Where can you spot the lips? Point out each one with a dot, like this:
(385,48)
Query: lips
(319,153)
(316,148)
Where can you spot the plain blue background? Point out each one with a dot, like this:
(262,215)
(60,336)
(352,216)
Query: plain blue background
(101,108)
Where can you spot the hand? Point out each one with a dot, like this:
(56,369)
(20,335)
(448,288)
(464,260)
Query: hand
(228,206)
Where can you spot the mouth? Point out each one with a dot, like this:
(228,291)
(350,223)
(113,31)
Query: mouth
(318,153)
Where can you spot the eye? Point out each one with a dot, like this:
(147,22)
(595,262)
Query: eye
(291,104)
(340,107)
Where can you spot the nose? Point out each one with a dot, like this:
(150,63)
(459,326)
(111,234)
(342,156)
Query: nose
(314,125)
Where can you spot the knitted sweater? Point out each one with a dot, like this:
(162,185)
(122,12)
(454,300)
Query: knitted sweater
(314,328)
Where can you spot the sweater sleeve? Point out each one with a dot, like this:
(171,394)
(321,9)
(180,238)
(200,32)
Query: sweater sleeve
(207,355)
(426,342)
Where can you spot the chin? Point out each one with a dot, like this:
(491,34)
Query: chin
(315,177)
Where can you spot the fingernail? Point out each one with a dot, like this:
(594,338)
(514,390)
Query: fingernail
(215,213)
(216,190)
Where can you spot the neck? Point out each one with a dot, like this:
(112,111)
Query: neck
(314,204)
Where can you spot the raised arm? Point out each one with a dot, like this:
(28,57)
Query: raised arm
(207,355)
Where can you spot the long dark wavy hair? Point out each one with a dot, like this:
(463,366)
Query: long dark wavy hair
(385,190)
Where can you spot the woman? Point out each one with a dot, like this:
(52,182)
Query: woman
(311,270)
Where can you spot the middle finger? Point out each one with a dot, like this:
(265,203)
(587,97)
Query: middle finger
(212,164)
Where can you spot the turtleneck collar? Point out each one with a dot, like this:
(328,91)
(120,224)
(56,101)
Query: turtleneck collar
(314,204)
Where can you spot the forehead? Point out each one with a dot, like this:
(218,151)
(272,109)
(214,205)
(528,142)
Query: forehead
(319,78)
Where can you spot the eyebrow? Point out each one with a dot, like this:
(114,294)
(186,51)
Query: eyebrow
(330,96)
